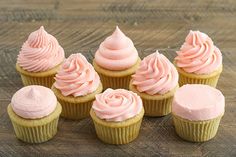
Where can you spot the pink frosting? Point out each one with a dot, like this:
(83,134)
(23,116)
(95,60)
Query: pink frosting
(198,54)
(155,75)
(198,102)
(40,52)
(33,102)
(117,105)
(117,52)
(76,77)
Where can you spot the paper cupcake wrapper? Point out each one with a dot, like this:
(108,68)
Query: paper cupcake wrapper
(117,132)
(156,105)
(76,108)
(196,131)
(36,130)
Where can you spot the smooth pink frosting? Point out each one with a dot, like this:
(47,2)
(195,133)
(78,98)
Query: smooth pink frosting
(40,52)
(198,54)
(155,75)
(117,105)
(76,77)
(117,52)
(33,102)
(198,102)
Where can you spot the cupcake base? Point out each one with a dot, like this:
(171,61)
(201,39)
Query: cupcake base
(76,108)
(196,131)
(117,132)
(155,105)
(116,79)
(35,130)
(45,78)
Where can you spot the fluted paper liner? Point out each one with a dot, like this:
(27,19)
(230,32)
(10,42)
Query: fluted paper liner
(76,108)
(116,79)
(45,78)
(196,131)
(155,105)
(117,132)
(35,130)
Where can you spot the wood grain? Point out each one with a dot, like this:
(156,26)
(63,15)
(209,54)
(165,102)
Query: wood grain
(80,26)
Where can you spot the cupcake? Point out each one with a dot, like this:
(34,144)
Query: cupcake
(75,87)
(117,116)
(34,113)
(155,81)
(39,59)
(197,111)
(199,61)
(116,60)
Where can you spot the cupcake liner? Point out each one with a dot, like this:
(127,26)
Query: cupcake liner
(190,78)
(45,78)
(156,105)
(117,132)
(116,79)
(35,130)
(76,108)
(196,131)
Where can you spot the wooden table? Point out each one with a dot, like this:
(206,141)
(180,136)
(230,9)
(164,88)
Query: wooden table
(80,26)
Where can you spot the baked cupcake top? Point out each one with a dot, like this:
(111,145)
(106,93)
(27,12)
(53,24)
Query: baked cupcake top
(116,52)
(32,102)
(117,105)
(198,102)
(155,75)
(198,54)
(41,52)
(76,76)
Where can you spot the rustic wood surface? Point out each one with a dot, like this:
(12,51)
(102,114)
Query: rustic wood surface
(80,26)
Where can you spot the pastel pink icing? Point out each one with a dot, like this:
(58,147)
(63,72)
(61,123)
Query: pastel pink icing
(155,75)
(117,105)
(76,77)
(198,54)
(198,102)
(117,52)
(40,52)
(32,102)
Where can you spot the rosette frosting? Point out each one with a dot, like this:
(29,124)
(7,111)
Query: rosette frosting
(33,102)
(40,52)
(198,54)
(117,105)
(117,52)
(76,77)
(155,75)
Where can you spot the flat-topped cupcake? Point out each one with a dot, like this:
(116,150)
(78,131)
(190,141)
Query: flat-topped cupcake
(116,60)
(39,59)
(117,116)
(197,111)
(76,85)
(199,61)
(34,112)
(155,81)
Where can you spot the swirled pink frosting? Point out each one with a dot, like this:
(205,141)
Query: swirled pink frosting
(76,77)
(117,52)
(198,54)
(117,105)
(155,75)
(40,52)
(33,102)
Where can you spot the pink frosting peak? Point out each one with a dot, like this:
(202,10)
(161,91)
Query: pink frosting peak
(198,102)
(76,77)
(40,52)
(117,105)
(155,75)
(33,102)
(198,54)
(117,52)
